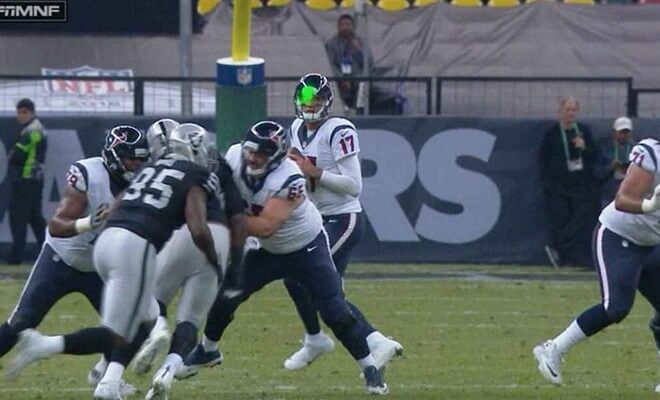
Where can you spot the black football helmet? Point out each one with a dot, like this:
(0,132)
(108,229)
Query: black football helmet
(266,137)
(124,141)
(313,87)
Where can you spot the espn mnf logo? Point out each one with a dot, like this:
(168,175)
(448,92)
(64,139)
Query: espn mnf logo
(33,11)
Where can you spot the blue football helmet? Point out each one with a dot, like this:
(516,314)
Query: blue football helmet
(124,141)
(313,90)
(266,137)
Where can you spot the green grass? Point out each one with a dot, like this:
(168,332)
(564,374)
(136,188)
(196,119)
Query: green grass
(464,339)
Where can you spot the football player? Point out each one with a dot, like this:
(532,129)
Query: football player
(293,244)
(625,236)
(163,196)
(182,265)
(65,262)
(326,150)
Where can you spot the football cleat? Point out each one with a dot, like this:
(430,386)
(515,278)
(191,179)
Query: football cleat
(96,374)
(29,349)
(110,390)
(384,349)
(374,379)
(549,360)
(161,385)
(197,359)
(309,352)
(157,341)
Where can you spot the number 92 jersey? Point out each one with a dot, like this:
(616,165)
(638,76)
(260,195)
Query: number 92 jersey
(641,229)
(154,204)
(285,181)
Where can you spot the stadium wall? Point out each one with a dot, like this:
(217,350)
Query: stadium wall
(459,190)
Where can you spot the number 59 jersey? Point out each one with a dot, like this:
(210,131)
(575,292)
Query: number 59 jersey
(287,182)
(154,204)
(641,229)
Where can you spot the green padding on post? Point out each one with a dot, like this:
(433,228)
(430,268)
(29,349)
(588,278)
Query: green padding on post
(236,109)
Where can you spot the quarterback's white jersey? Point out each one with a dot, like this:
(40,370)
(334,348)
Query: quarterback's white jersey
(334,140)
(88,176)
(641,229)
(285,181)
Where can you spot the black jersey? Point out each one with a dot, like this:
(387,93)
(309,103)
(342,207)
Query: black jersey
(154,204)
(227,202)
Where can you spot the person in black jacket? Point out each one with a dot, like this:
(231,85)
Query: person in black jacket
(26,180)
(567,161)
(612,162)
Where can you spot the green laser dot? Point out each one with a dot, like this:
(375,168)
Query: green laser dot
(307,94)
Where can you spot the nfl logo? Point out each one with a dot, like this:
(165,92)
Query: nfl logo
(244,76)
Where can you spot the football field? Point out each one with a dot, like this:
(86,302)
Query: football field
(467,330)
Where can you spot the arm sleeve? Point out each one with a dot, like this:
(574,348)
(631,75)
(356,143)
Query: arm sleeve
(233,201)
(349,181)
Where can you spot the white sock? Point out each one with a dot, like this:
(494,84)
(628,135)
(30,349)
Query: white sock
(208,344)
(571,336)
(366,362)
(374,337)
(113,373)
(315,339)
(161,323)
(174,360)
(54,344)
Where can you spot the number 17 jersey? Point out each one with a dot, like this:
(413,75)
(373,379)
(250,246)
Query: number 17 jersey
(334,140)
(154,204)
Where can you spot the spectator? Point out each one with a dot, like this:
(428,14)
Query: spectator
(26,180)
(612,160)
(567,158)
(347,53)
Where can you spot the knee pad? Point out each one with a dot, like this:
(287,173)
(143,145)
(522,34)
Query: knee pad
(616,313)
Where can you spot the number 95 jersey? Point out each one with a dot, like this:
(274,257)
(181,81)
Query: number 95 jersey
(154,204)
(285,181)
(641,229)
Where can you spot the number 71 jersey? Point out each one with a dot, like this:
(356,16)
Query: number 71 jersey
(641,229)
(154,204)
(333,141)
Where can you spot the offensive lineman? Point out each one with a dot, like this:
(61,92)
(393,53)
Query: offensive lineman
(627,233)
(65,263)
(326,150)
(293,245)
(164,195)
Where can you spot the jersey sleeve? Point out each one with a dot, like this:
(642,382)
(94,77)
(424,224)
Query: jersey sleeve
(76,177)
(292,188)
(233,202)
(644,155)
(344,142)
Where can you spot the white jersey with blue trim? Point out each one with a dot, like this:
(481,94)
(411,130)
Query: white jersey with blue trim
(285,181)
(87,176)
(641,229)
(335,139)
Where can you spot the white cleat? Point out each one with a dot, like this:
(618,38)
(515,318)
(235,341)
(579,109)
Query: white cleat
(549,359)
(308,353)
(96,374)
(161,385)
(657,389)
(384,350)
(156,342)
(29,349)
(110,390)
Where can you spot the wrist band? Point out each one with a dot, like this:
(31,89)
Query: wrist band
(83,225)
